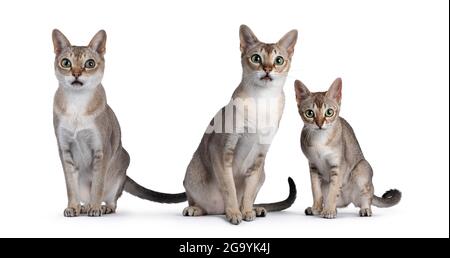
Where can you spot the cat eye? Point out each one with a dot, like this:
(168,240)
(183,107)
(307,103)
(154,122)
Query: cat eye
(89,63)
(65,63)
(329,112)
(309,113)
(256,59)
(279,60)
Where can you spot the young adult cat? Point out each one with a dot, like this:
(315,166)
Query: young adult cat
(227,170)
(340,175)
(88,133)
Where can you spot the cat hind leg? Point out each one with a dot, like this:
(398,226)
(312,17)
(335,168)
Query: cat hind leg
(193,210)
(363,188)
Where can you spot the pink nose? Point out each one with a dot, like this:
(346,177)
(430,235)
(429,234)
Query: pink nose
(319,122)
(76,73)
(267,69)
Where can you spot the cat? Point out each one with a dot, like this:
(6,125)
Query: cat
(227,169)
(340,174)
(88,133)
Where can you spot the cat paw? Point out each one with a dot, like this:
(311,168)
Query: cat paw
(94,211)
(310,211)
(234,217)
(72,212)
(249,215)
(192,211)
(328,214)
(366,212)
(260,212)
(107,210)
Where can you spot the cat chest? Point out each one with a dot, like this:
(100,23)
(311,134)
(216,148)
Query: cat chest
(81,136)
(77,126)
(74,121)
(323,157)
(247,152)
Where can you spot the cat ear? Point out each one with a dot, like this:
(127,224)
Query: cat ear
(247,37)
(301,92)
(335,90)
(288,41)
(98,42)
(60,41)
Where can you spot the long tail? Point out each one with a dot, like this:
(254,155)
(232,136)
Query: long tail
(279,206)
(389,198)
(147,194)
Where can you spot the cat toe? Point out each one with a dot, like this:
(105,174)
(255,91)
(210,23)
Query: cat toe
(249,215)
(260,212)
(71,212)
(192,211)
(310,211)
(234,217)
(94,212)
(367,212)
(328,214)
(107,210)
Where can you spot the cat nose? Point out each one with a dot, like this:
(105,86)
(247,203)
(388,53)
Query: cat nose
(319,122)
(267,68)
(76,73)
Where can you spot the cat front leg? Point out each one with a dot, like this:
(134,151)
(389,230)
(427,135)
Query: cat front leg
(71,176)
(98,183)
(329,211)
(316,209)
(252,184)
(225,178)
(228,190)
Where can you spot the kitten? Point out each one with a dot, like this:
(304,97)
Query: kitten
(339,173)
(227,170)
(88,133)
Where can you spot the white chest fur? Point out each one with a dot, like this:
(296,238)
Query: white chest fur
(256,116)
(76,130)
(257,120)
(75,119)
(319,152)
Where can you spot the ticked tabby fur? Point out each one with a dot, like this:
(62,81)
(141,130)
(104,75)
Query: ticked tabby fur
(227,169)
(88,133)
(340,174)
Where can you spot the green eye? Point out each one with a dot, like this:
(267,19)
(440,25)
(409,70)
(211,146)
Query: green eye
(89,63)
(279,60)
(309,113)
(329,112)
(256,59)
(65,63)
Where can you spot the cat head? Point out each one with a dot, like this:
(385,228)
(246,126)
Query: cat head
(77,67)
(266,65)
(319,110)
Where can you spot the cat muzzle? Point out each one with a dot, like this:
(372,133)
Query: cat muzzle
(267,77)
(77,83)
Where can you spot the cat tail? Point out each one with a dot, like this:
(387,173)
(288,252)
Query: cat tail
(147,194)
(279,206)
(389,198)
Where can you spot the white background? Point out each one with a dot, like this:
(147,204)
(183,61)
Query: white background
(172,64)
